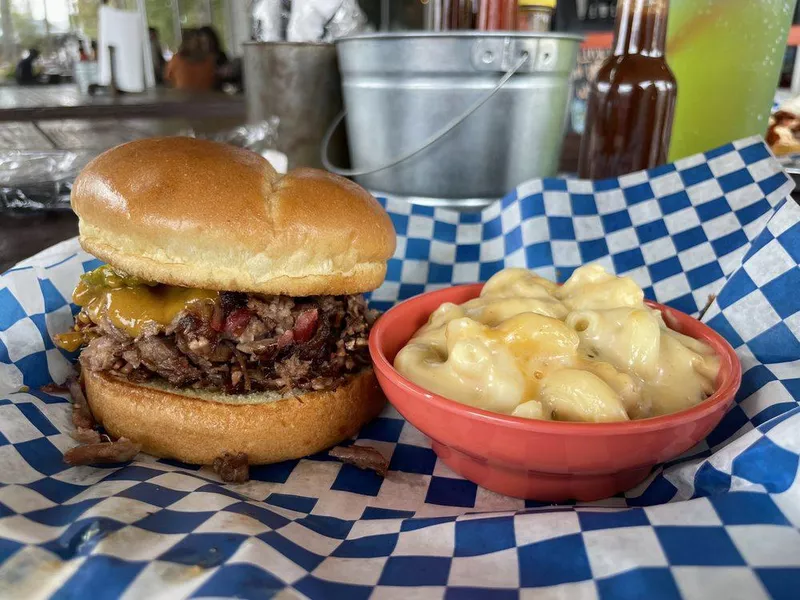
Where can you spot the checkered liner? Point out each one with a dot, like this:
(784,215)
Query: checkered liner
(721,521)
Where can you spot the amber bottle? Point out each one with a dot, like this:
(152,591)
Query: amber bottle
(451,15)
(632,100)
(497,15)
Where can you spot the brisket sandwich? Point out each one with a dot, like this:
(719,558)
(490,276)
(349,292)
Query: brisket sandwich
(229,315)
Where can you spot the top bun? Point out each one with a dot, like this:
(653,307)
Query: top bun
(201,214)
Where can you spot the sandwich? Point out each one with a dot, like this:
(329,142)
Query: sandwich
(783,133)
(228,317)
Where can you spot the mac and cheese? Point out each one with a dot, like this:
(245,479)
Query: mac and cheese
(589,350)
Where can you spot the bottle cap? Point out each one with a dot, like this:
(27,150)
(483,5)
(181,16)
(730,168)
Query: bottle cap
(543,3)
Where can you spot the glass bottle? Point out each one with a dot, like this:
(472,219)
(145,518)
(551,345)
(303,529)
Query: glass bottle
(632,100)
(448,15)
(497,15)
(535,15)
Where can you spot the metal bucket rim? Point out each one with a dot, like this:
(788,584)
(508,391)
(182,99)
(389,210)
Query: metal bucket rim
(280,43)
(459,35)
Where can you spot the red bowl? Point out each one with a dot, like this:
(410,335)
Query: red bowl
(547,461)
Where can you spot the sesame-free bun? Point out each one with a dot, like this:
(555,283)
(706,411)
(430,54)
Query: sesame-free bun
(202,214)
(171,423)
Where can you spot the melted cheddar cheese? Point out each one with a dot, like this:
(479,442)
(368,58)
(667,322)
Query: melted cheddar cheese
(129,303)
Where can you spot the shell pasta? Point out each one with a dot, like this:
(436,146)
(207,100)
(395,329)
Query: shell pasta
(589,350)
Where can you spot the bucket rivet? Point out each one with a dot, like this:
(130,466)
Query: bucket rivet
(487,57)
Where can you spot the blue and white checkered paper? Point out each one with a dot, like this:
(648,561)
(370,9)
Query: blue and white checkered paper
(720,522)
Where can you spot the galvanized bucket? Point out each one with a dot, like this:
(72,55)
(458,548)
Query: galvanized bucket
(298,83)
(454,119)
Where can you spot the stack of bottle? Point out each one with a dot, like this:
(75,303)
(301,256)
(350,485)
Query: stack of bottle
(491,15)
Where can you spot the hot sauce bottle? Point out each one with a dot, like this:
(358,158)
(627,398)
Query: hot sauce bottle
(497,15)
(632,100)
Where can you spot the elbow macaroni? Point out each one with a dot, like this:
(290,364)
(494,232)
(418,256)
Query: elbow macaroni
(589,350)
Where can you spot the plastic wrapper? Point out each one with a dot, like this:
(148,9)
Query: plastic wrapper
(347,20)
(39,179)
(324,20)
(42,180)
(256,137)
(269,20)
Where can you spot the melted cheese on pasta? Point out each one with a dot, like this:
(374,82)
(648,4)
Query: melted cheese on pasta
(589,350)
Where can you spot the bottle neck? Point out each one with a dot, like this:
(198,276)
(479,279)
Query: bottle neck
(641,27)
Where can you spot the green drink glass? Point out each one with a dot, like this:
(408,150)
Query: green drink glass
(726,56)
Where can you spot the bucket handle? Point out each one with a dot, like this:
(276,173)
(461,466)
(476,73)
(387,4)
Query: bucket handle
(523,58)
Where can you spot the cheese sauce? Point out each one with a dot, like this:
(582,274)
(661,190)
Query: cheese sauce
(589,350)
(129,303)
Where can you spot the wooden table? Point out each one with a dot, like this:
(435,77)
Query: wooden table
(23,234)
(59,116)
(55,102)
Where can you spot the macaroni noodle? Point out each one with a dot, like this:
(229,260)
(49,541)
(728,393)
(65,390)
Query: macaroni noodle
(589,350)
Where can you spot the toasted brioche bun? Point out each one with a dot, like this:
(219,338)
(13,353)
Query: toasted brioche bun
(201,214)
(785,145)
(197,430)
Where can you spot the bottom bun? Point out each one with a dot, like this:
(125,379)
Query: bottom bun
(193,430)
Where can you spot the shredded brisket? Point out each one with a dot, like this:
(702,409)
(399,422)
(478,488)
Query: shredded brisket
(232,468)
(82,416)
(94,447)
(119,451)
(241,343)
(363,457)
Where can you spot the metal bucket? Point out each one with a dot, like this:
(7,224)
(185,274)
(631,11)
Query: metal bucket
(298,83)
(454,119)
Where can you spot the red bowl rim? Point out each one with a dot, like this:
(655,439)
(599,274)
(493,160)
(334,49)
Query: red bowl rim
(730,373)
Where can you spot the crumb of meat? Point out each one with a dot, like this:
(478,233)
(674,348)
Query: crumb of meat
(161,356)
(292,370)
(230,301)
(254,330)
(324,383)
(132,357)
(276,310)
(123,450)
(81,413)
(87,436)
(232,468)
(363,457)
(112,330)
(54,388)
(102,353)
(200,346)
(94,448)
(709,302)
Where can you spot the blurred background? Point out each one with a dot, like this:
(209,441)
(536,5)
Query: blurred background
(209,68)
(64,33)
(56,27)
